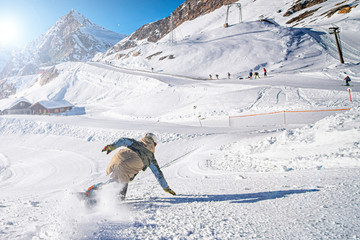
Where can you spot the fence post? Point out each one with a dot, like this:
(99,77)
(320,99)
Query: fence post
(350,94)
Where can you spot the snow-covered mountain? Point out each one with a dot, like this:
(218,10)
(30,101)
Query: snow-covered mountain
(293,13)
(72,38)
(269,35)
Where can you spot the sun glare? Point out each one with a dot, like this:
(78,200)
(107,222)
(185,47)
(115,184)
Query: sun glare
(8,32)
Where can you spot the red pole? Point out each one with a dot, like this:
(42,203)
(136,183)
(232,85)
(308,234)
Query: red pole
(350,94)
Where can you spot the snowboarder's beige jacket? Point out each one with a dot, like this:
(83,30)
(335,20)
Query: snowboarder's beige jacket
(137,156)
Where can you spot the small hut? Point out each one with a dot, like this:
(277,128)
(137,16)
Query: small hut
(19,106)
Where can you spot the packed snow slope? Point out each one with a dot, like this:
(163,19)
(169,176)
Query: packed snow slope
(252,181)
(292,175)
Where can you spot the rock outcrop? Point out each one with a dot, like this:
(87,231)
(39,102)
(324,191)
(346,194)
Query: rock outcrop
(48,75)
(155,31)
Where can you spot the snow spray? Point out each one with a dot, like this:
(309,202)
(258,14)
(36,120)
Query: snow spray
(72,218)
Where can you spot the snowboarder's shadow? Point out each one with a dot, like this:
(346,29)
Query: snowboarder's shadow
(246,197)
(232,198)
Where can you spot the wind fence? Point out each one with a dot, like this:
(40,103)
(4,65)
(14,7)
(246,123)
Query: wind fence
(280,118)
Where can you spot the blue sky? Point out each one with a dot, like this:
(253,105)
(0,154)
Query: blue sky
(27,19)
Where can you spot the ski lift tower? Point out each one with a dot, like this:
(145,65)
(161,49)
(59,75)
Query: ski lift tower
(238,5)
(335,30)
(172,34)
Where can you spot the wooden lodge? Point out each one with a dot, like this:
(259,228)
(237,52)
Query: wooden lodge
(51,107)
(20,106)
(23,106)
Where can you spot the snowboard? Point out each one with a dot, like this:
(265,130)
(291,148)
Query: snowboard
(90,200)
(89,196)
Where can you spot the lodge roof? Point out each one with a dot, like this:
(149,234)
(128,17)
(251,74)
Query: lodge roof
(13,102)
(53,104)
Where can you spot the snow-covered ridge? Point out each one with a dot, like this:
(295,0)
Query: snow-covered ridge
(308,14)
(252,44)
(221,47)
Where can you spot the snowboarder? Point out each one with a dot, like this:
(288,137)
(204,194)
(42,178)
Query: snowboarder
(265,72)
(250,74)
(128,162)
(347,80)
(210,76)
(257,75)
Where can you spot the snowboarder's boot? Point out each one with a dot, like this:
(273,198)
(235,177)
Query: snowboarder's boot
(90,190)
(122,193)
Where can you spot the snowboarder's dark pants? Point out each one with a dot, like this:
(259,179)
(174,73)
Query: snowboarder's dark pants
(123,191)
(347,83)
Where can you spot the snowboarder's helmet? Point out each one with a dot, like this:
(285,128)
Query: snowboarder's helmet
(153,136)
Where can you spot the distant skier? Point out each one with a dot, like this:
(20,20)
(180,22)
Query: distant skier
(257,75)
(217,76)
(229,75)
(347,80)
(128,162)
(250,74)
(210,76)
(265,72)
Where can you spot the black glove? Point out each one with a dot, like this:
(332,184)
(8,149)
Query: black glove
(168,190)
(109,148)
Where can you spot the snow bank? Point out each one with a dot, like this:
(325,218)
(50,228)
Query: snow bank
(332,142)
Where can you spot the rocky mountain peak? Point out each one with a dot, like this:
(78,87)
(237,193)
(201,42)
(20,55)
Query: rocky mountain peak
(72,38)
(75,15)
(72,22)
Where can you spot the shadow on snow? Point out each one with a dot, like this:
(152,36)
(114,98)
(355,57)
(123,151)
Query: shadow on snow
(233,198)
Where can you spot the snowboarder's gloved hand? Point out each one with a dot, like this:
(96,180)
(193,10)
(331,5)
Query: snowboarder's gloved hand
(109,148)
(168,190)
